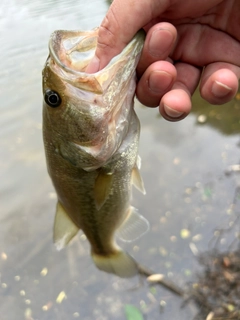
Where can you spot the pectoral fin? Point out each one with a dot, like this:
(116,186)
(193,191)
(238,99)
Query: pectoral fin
(64,228)
(102,188)
(133,227)
(137,179)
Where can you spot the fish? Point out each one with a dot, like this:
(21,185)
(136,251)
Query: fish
(91,135)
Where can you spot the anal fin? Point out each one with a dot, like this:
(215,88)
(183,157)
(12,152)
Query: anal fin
(64,228)
(133,227)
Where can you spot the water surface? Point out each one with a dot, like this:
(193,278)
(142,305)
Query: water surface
(184,168)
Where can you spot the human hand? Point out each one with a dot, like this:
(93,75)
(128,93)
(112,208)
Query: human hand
(187,43)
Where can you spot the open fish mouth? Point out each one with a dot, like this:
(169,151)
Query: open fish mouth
(71,52)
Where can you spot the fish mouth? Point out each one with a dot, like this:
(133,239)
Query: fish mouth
(71,52)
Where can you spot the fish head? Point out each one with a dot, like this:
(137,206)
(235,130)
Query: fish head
(89,113)
(71,110)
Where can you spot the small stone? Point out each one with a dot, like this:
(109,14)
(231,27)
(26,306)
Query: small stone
(62,296)
(202,118)
(185,233)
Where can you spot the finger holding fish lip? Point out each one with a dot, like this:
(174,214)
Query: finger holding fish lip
(113,33)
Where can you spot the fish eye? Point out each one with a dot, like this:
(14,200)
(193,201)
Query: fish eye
(52,98)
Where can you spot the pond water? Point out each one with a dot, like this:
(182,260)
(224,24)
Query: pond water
(184,166)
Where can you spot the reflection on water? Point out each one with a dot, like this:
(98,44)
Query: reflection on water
(223,118)
(183,166)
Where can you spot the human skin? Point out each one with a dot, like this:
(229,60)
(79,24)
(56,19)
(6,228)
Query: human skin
(188,43)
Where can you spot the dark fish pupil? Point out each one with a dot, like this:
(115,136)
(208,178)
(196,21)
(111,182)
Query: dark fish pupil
(52,98)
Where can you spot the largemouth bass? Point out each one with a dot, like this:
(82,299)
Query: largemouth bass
(91,135)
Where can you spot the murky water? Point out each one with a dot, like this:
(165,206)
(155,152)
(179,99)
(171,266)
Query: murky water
(184,166)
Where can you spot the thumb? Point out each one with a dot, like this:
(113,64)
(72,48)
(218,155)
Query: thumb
(122,21)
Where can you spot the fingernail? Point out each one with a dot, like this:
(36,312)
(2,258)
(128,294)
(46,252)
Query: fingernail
(159,81)
(93,66)
(160,41)
(220,90)
(171,112)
